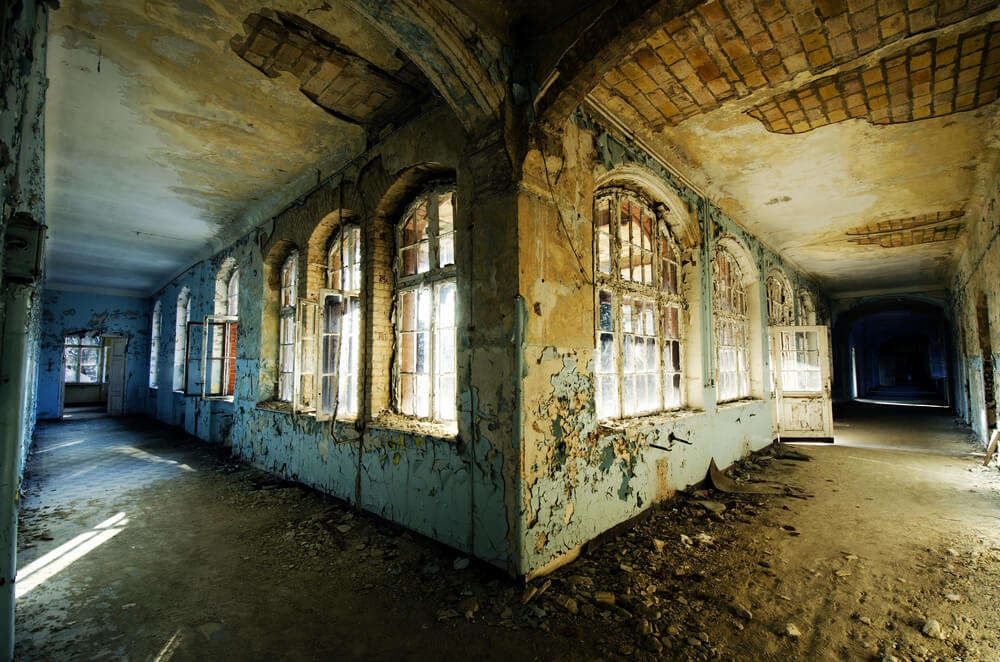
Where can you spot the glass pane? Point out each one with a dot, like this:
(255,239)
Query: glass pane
(89,362)
(445,354)
(444,398)
(606,362)
(446,250)
(409,260)
(423,260)
(421,351)
(407,388)
(424,308)
(409,306)
(446,305)
(607,403)
(446,214)
(606,311)
(409,353)
(72,357)
(422,397)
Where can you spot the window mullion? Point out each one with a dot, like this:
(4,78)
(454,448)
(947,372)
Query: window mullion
(432,352)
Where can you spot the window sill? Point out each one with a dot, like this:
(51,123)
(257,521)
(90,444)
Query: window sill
(646,420)
(732,404)
(394,422)
(276,406)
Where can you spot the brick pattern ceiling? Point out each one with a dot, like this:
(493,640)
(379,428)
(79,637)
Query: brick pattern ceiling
(935,77)
(726,49)
(343,83)
(923,229)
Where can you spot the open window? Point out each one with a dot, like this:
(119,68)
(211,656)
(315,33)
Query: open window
(193,357)
(304,367)
(218,363)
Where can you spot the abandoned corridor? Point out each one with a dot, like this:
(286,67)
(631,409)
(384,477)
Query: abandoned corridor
(214,560)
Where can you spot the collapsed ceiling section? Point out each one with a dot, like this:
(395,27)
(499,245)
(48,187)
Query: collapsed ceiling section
(333,77)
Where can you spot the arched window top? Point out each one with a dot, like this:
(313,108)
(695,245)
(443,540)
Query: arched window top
(289,275)
(728,290)
(426,232)
(343,260)
(780,307)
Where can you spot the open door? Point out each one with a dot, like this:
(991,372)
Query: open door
(116,346)
(800,355)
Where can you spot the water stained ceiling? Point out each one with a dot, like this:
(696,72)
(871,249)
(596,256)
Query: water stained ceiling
(163,144)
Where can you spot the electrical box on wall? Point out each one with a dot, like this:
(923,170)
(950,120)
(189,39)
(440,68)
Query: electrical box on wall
(23,248)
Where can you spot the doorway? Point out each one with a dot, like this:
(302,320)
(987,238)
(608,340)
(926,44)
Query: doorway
(93,375)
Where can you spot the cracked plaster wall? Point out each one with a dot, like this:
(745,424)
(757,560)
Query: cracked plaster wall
(975,276)
(580,477)
(451,489)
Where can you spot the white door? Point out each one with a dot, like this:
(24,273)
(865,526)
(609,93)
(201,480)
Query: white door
(801,359)
(116,375)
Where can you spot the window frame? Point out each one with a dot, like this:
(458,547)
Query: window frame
(287,303)
(779,312)
(345,283)
(233,294)
(434,280)
(737,314)
(663,293)
(80,345)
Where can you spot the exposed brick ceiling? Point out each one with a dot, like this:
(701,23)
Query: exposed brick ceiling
(332,76)
(935,77)
(727,49)
(898,232)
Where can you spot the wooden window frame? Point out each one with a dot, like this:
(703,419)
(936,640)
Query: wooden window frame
(434,280)
(661,291)
(730,309)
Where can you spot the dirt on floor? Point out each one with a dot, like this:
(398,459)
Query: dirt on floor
(886,550)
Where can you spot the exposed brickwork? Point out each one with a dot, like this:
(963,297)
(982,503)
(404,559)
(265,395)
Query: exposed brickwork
(336,79)
(726,49)
(923,229)
(932,78)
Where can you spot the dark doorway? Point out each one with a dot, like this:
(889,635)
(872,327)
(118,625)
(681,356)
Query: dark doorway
(983,327)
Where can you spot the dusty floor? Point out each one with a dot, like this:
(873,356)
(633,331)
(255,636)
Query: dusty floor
(209,559)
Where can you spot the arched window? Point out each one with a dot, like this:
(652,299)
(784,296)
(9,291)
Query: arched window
(286,327)
(732,327)
(154,345)
(639,302)
(180,337)
(425,299)
(780,308)
(218,364)
(340,327)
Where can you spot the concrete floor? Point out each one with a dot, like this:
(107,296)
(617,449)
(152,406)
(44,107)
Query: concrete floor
(140,543)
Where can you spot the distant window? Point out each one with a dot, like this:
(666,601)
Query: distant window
(425,299)
(154,345)
(780,307)
(180,337)
(286,328)
(82,359)
(732,328)
(639,301)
